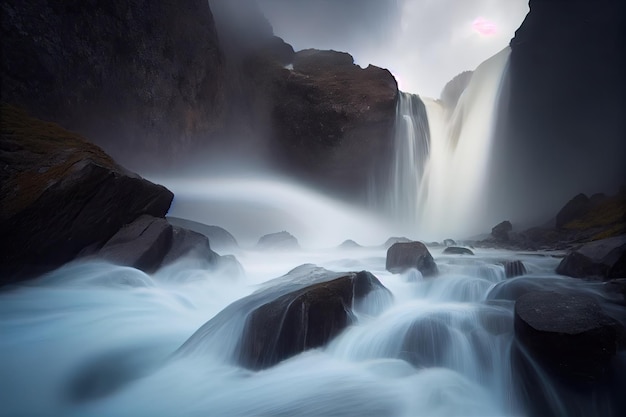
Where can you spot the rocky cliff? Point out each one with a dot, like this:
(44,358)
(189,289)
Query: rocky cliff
(134,76)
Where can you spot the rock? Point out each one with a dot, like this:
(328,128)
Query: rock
(403,256)
(568,334)
(301,320)
(457,250)
(393,240)
(301,310)
(134,77)
(454,88)
(219,238)
(449,242)
(501,231)
(514,268)
(575,208)
(349,244)
(600,259)
(141,244)
(617,286)
(280,240)
(189,243)
(333,120)
(425,343)
(60,194)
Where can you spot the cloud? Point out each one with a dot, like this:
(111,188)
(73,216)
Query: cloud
(424,43)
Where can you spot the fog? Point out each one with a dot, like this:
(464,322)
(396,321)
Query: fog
(424,43)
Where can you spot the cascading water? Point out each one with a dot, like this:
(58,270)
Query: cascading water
(439,167)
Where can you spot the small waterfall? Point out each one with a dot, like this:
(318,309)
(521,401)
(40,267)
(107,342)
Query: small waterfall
(442,156)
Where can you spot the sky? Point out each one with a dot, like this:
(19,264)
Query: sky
(424,43)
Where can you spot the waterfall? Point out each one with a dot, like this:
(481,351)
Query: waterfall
(436,182)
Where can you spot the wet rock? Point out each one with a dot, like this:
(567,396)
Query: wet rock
(403,256)
(602,259)
(303,319)
(219,238)
(189,243)
(568,334)
(60,194)
(425,343)
(457,250)
(449,242)
(514,268)
(392,240)
(501,231)
(279,240)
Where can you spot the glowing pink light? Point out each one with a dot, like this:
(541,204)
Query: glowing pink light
(484,26)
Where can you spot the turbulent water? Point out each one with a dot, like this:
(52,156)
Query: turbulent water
(94,339)
(442,156)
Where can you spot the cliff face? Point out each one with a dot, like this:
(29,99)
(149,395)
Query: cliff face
(131,75)
(565,125)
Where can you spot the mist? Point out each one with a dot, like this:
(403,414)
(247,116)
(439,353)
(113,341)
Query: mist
(423,43)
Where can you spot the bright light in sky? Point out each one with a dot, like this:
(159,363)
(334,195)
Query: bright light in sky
(484,26)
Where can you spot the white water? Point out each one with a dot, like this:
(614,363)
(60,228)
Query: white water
(438,176)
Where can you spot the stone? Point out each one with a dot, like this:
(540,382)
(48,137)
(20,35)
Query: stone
(280,240)
(601,259)
(219,238)
(60,194)
(449,242)
(567,333)
(393,240)
(349,244)
(403,256)
(501,231)
(457,250)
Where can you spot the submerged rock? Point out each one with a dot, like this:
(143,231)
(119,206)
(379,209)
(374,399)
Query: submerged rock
(457,250)
(403,256)
(603,259)
(279,240)
(568,334)
(60,194)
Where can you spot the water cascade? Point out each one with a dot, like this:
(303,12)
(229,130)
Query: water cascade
(442,157)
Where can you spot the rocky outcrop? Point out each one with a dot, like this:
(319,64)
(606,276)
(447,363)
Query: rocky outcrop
(60,194)
(302,319)
(333,120)
(457,250)
(220,239)
(501,231)
(454,88)
(404,256)
(130,75)
(301,310)
(602,259)
(566,98)
(279,240)
(567,334)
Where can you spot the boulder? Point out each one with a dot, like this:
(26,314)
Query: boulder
(60,194)
(514,268)
(301,310)
(302,319)
(425,343)
(349,244)
(189,243)
(568,334)
(278,240)
(393,240)
(402,256)
(457,250)
(602,259)
(449,242)
(219,238)
(501,231)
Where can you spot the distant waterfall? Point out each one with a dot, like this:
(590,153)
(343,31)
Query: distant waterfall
(437,177)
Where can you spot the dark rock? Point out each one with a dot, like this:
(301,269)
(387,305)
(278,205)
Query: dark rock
(278,240)
(60,194)
(449,242)
(501,231)
(600,259)
(575,208)
(617,286)
(457,250)
(219,238)
(141,244)
(403,256)
(189,243)
(514,268)
(568,334)
(333,120)
(393,240)
(130,75)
